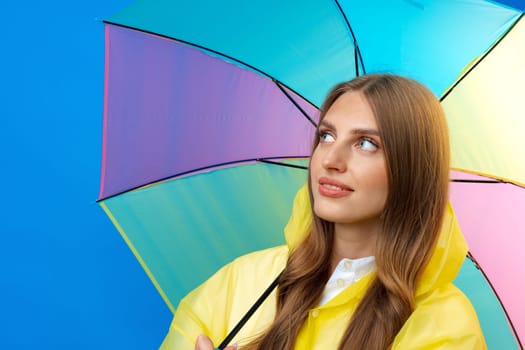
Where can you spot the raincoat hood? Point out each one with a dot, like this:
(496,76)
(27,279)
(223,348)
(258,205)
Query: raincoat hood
(443,266)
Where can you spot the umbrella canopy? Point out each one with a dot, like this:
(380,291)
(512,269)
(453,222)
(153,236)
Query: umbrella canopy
(200,100)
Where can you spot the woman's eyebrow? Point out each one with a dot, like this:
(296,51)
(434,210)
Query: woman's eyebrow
(365,132)
(326,124)
(357,131)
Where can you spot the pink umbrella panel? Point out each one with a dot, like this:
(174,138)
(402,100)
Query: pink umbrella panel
(491,216)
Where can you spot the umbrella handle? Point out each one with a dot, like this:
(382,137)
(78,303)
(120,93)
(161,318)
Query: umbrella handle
(249,314)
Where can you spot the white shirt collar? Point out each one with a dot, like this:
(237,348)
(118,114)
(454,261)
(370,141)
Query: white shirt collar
(346,273)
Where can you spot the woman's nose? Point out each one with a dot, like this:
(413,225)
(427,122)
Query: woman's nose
(336,158)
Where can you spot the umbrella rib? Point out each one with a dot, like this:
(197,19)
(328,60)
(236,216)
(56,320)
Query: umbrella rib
(479,181)
(357,51)
(265,160)
(294,103)
(218,53)
(208,167)
(475,262)
(456,83)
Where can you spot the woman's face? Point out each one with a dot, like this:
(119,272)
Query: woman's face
(348,169)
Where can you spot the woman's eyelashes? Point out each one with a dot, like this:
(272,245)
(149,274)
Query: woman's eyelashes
(325,136)
(367,144)
(362,142)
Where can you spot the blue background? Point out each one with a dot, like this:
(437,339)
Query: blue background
(68,280)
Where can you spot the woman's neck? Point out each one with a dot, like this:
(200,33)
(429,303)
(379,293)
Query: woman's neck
(354,241)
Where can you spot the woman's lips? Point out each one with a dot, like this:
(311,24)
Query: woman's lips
(332,188)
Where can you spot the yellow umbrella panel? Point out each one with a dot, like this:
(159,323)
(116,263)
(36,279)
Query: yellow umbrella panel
(486,112)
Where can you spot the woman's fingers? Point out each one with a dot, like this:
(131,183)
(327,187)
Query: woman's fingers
(203,343)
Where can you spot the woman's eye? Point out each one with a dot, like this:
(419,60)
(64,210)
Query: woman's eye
(326,137)
(367,145)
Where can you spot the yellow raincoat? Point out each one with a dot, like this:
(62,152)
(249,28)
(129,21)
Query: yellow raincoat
(443,317)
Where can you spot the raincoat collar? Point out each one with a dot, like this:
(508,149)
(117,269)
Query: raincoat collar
(442,268)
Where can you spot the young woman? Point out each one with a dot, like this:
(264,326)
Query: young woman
(371,264)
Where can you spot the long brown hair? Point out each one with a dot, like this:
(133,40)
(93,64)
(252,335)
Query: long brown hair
(414,134)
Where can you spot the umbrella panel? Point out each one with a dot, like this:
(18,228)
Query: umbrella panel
(491,218)
(171,109)
(496,330)
(182,230)
(485,113)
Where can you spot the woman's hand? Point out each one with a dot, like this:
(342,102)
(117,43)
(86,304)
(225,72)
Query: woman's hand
(204,343)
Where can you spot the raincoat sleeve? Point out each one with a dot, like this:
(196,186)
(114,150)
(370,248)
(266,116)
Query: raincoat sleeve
(202,311)
(218,304)
(444,320)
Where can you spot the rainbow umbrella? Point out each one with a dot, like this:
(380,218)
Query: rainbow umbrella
(209,111)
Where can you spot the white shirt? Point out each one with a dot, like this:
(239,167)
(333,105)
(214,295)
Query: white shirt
(346,273)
